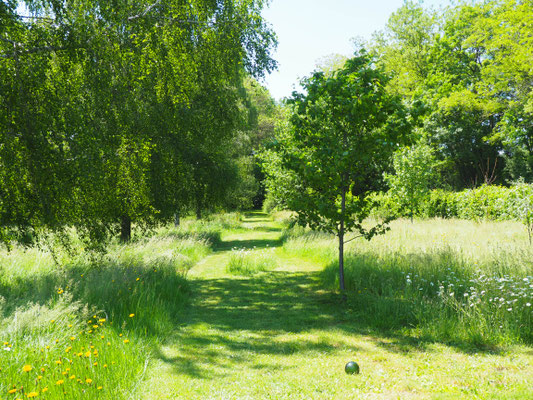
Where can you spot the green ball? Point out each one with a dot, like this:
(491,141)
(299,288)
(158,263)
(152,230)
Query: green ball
(351,368)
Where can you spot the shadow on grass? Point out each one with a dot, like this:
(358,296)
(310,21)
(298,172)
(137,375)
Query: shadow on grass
(234,320)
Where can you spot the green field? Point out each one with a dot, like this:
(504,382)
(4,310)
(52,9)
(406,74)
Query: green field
(240,307)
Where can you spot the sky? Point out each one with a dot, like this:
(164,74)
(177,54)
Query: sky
(309,30)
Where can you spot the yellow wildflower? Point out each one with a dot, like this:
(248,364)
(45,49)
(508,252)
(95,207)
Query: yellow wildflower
(45,389)
(89,380)
(72,377)
(132,315)
(88,354)
(60,382)
(32,394)
(99,388)
(126,341)
(27,368)
(12,391)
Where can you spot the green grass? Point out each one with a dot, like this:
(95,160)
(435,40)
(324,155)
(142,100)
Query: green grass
(87,325)
(199,331)
(250,262)
(283,334)
(455,281)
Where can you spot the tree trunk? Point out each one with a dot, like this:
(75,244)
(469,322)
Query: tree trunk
(125,228)
(341,242)
(176,219)
(198,212)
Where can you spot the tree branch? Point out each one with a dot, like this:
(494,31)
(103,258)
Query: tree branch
(346,241)
(146,11)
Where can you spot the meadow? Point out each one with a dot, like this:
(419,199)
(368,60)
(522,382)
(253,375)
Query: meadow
(246,307)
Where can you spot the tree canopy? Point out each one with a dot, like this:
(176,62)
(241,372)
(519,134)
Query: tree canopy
(113,112)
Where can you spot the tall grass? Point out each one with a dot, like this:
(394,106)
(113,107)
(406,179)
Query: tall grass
(250,262)
(76,326)
(449,280)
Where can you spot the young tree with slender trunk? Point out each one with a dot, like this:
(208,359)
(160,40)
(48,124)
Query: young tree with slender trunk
(342,133)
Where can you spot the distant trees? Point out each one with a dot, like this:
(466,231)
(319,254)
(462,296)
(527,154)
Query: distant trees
(415,173)
(466,73)
(113,113)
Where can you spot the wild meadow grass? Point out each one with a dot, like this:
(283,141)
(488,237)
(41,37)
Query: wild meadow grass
(447,280)
(75,325)
(250,262)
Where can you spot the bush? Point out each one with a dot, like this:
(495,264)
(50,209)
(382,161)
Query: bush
(486,202)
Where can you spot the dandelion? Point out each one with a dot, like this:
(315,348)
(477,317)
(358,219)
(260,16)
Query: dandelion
(27,368)
(32,394)
(89,380)
(45,389)
(12,391)
(126,341)
(60,382)
(132,315)
(72,377)
(73,338)
(99,388)
(59,362)
(88,354)
(39,377)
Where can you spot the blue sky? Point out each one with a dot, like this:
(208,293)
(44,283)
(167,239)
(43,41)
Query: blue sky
(309,30)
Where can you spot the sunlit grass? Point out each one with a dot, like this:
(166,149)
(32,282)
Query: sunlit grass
(250,262)
(445,279)
(84,325)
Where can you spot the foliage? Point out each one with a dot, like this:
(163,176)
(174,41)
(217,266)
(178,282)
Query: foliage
(341,132)
(415,173)
(487,202)
(120,113)
(465,71)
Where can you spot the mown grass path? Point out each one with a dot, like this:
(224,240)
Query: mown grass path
(279,335)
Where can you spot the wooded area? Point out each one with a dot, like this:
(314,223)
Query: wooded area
(115,112)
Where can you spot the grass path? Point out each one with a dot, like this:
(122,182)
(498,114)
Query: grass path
(278,335)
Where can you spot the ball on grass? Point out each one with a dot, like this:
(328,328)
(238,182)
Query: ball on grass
(351,368)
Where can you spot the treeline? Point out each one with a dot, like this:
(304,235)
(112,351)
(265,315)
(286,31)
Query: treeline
(115,113)
(466,73)
(465,79)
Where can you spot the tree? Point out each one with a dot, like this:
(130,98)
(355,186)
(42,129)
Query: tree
(341,133)
(103,105)
(414,173)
